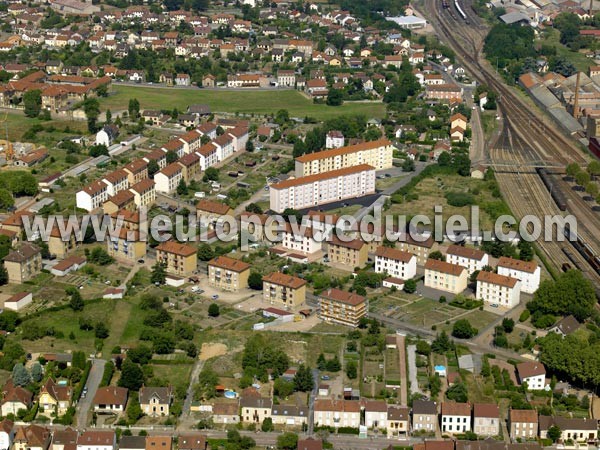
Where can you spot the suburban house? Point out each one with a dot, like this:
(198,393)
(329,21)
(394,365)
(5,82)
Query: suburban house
(110,399)
(132,443)
(290,415)
(309,444)
(337,413)
(97,440)
(577,430)
(470,258)
(523,423)
(486,419)
(31,437)
(284,290)
(498,290)
(396,263)
(348,253)
(376,414)
(209,211)
(15,398)
(226,413)
(528,272)
(445,276)
(455,417)
(178,259)
(424,416)
(255,409)
(533,373)
(228,273)
(192,441)
(159,442)
(566,326)
(24,263)
(398,421)
(54,398)
(65,438)
(7,433)
(342,307)
(156,401)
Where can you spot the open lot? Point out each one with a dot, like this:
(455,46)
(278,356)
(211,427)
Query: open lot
(235,101)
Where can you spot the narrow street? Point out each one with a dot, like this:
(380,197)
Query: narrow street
(85,404)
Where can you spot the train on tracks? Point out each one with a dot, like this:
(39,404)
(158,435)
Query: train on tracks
(583,248)
(555,191)
(460,11)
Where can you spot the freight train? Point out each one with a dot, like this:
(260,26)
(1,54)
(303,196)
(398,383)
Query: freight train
(555,191)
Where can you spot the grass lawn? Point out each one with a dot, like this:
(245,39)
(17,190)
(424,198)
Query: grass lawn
(175,374)
(580,61)
(17,124)
(247,102)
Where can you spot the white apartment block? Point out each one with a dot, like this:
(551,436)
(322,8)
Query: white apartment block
(528,272)
(396,263)
(378,154)
(323,188)
(116,181)
(169,178)
(209,155)
(445,276)
(470,258)
(225,147)
(301,240)
(240,138)
(498,290)
(92,196)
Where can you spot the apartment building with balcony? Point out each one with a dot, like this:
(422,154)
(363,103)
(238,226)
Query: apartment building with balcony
(228,274)
(24,263)
(178,259)
(284,290)
(346,308)
(348,253)
(127,246)
(378,154)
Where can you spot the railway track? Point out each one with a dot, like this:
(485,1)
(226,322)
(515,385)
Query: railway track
(524,192)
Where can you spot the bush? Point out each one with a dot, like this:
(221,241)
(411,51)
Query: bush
(459,199)
(524,315)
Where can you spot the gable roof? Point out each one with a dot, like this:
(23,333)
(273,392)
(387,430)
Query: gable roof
(283,279)
(444,267)
(349,298)
(163,394)
(394,253)
(227,263)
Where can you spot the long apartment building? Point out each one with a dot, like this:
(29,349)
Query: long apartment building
(228,274)
(319,189)
(378,154)
(179,259)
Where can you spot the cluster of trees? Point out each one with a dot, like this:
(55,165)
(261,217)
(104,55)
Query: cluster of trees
(463,329)
(508,45)
(570,293)
(260,355)
(586,178)
(405,86)
(574,358)
(18,182)
(330,365)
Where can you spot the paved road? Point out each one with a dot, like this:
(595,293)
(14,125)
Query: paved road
(411,351)
(311,401)
(93,381)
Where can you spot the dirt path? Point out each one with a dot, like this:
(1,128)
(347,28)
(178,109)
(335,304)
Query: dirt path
(401,344)
(595,407)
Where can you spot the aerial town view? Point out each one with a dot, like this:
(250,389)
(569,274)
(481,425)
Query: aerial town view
(299,225)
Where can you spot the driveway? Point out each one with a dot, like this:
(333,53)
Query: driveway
(412,369)
(311,402)
(84,405)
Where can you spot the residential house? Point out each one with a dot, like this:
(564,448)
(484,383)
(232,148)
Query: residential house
(334,139)
(97,440)
(183,79)
(31,437)
(159,442)
(304,241)
(445,276)
(498,290)
(54,398)
(24,263)
(337,413)
(424,416)
(110,399)
(533,373)
(226,412)
(455,417)
(178,259)
(132,443)
(65,439)
(398,422)
(68,265)
(228,273)
(192,441)
(523,424)
(342,307)
(209,211)
(286,78)
(289,415)
(566,326)
(376,414)
(156,401)
(255,409)
(571,429)
(284,290)
(15,398)
(470,258)
(486,419)
(394,262)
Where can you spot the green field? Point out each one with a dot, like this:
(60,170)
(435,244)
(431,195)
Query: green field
(230,101)
(580,61)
